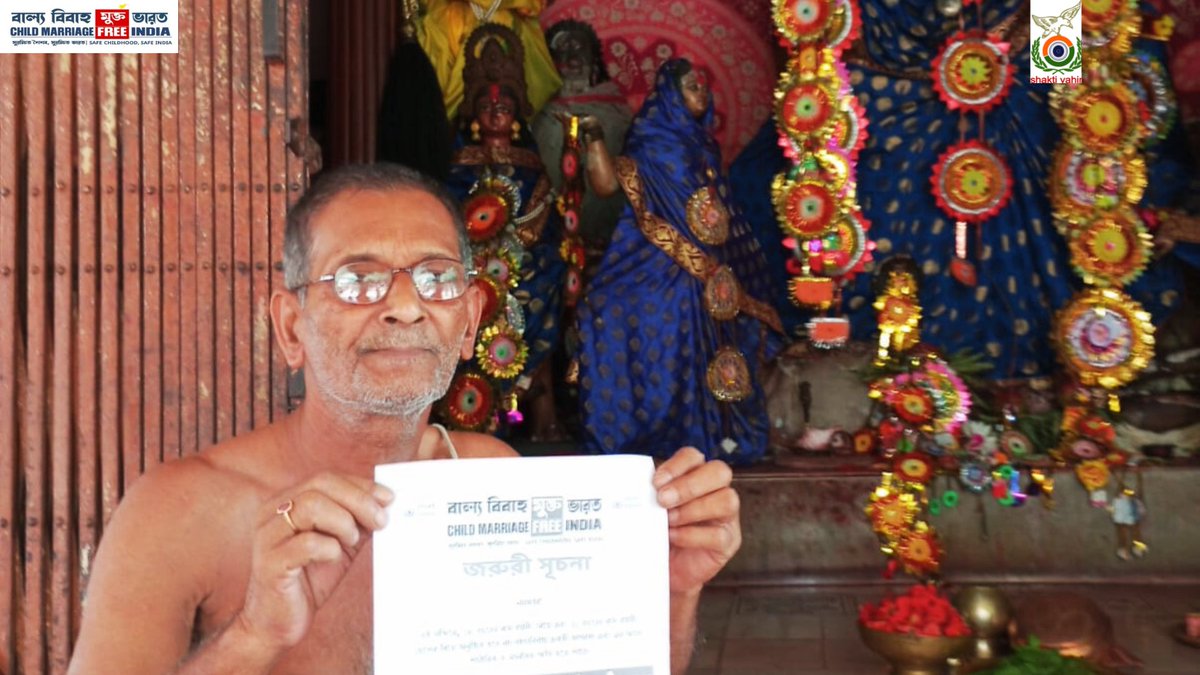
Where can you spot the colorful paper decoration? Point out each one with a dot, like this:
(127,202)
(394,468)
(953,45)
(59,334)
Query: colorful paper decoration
(1083,182)
(1112,249)
(1099,116)
(470,402)
(822,128)
(1105,338)
(569,203)
(971,182)
(972,72)
(501,351)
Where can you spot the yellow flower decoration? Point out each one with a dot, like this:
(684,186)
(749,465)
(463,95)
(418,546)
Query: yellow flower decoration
(501,352)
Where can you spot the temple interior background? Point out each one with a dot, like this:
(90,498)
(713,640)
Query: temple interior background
(941,319)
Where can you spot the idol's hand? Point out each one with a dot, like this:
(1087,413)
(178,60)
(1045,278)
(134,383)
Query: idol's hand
(589,126)
(703,509)
(307,537)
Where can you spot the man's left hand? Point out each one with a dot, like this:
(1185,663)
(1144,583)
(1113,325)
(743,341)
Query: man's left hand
(703,509)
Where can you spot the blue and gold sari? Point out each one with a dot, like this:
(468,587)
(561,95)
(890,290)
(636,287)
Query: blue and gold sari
(673,329)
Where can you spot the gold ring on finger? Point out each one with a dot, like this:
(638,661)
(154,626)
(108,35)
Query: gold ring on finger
(285,510)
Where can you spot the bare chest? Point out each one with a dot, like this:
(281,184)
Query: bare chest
(340,639)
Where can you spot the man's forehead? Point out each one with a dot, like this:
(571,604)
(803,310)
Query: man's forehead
(385,202)
(381,214)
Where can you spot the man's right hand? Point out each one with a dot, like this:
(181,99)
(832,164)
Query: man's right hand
(294,571)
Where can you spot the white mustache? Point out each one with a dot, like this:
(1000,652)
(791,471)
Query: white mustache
(398,343)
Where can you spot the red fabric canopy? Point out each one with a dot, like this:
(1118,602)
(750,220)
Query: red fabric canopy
(730,41)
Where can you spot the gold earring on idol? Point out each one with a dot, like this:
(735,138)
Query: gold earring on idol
(516,128)
(475,131)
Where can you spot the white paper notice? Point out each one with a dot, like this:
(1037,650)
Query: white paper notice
(529,566)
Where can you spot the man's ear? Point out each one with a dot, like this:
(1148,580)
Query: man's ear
(473,299)
(285,312)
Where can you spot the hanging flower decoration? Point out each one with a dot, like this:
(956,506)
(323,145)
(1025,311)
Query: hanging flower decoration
(803,21)
(919,551)
(822,128)
(469,402)
(972,72)
(891,512)
(971,182)
(900,317)
(807,110)
(850,135)
(1095,426)
(569,202)
(500,263)
(914,467)
(1083,182)
(865,441)
(1099,117)
(494,296)
(843,251)
(979,439)
(951,397)
(1015,444)
(572,287)
(953,389)
(912,404)
(1104,337)
(1085,449)
(1111,250)
(894,509)
(1093,474)
(491,212)
(491,206)
(975,476)
(1150,83)
(806,209)
(501,351)
(1109,27)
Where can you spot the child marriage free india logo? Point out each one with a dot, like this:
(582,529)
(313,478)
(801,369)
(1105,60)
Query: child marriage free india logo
(1055,49)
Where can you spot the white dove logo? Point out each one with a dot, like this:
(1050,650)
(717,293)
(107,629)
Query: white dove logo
(1053,25)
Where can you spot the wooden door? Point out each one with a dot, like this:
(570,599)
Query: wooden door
(142,207)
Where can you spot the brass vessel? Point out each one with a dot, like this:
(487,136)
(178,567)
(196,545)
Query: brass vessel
(988,613)
(915,654)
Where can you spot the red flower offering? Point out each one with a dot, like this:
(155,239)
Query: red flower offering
(921,611)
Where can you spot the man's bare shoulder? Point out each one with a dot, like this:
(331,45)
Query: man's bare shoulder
(473,445)
(227,470)
(214,491)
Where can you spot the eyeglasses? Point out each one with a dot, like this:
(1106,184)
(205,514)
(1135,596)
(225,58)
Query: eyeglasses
(365,283)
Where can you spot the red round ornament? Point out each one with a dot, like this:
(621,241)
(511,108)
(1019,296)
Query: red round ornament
(972,72)
(971,182)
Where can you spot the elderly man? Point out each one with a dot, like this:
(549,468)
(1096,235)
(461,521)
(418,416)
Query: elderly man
(254,556)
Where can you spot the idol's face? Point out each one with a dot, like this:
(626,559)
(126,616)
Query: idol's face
(695,92)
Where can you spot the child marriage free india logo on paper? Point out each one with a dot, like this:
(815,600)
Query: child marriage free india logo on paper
(1056,44)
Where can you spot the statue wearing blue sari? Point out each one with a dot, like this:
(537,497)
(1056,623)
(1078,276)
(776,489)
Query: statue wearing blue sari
(673,326)
(515,235)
